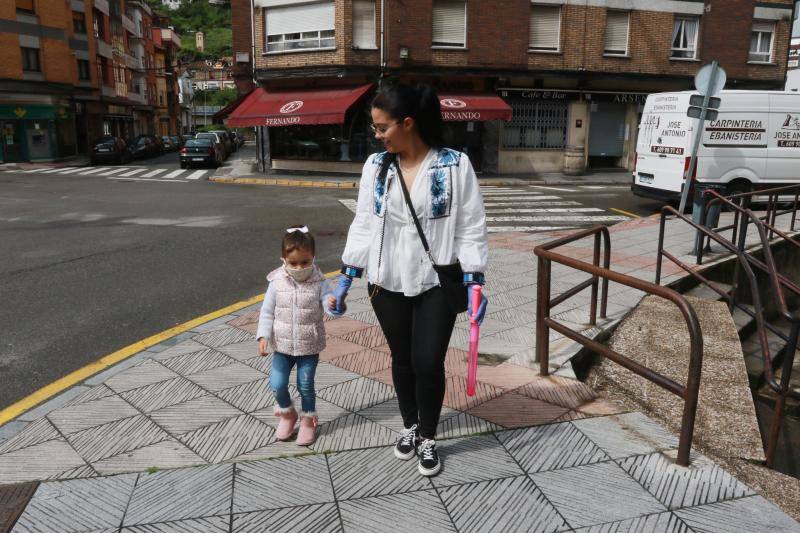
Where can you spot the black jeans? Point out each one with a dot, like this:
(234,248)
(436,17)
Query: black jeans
(418,330)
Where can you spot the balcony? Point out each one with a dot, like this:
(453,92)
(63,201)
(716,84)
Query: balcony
(104,49)
(169,36)
(102,6)
(137,98)
(133,62)
(110,92)
(129,25)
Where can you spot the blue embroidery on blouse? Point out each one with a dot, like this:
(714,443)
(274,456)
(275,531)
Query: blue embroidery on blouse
(440,192)
(379,192)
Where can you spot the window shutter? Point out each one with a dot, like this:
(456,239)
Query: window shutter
(300,18)
(545,27)
(25,4)
(760,25)
(364,23)
(449,20)
(616,32)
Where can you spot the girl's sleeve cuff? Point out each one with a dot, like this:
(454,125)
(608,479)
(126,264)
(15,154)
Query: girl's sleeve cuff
(351,271)
(474,277)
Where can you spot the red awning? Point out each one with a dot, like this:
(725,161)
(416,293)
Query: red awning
(473,107)
(320,106)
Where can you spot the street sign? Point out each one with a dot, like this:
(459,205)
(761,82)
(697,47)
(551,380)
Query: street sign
(697,100)
(697,112)
(710,79)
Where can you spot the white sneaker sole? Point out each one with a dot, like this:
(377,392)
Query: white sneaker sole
(404,457)
(429,471)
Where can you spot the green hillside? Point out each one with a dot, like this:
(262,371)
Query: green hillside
(198,15)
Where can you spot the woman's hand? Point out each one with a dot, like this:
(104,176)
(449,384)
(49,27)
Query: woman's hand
(340,293)
(262,347)
(481,311)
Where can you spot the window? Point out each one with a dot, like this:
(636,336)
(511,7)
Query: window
(25,5)
(761,42)
(83,70)
(97,26)
(449,23)
(684,38)
(536,124)
(363,23)
(30,60)
(78,22)
(616,33)
(545,29)
(301,27)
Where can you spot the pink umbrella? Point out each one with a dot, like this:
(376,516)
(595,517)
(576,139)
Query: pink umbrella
(474,333)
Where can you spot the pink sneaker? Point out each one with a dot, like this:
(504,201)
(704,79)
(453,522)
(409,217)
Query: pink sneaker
(308,429)
(288,418)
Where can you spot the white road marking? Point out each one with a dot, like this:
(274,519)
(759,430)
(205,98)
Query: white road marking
(537,204)
(592,186)
(58,169)
(553,188)
(95,170)
(549,210)
(37,169)
(519,198)
(174,173)
(349,203)
(155,172)
(528,229)
(196,175)
(133,172)
(72,170)
(509,193)
(115,171)
(145,179)
(559,218)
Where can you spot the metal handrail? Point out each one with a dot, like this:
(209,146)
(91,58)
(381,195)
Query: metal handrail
(745,260)
(689,392)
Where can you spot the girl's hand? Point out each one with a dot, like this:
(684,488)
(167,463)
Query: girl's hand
(332,303)
(262,347)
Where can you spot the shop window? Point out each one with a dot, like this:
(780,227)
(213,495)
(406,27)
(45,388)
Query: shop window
(536,125)
(84,74)
(684,37)
(761,40)
(78,22)
(449,23)
(364,24)
(616,40)
(301,27)
(30,60)
(545,28)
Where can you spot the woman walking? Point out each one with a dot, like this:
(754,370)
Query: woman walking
(420,262)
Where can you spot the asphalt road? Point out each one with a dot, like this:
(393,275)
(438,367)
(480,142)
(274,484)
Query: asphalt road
(90,264)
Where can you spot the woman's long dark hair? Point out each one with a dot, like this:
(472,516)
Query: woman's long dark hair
(419,102)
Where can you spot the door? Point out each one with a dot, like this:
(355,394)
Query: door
(12,142)
(606,129)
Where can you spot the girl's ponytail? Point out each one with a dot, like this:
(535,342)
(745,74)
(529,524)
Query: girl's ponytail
(420,103)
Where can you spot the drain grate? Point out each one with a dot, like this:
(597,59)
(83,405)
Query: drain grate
(13,500)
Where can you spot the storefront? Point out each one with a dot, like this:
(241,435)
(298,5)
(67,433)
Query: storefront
(328,129)
(37,133)
(569,130)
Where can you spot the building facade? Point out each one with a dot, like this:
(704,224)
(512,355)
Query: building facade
(574,73)
(76,70)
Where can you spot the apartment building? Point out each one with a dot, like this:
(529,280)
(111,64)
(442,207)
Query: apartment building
(75,70)
(526,87)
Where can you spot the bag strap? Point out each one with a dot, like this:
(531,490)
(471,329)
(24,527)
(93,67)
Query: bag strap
(414,214)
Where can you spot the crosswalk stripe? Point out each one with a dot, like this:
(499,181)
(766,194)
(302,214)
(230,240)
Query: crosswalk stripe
(37,169)
(549,210)
(197,174)
(553,188)
(559,218)
(95,170)
(529,229)
(58,169)
(133,172)
(152,173)
(74,170)
(520,198)
(509,193)
(174,173)
(114,171)
(537,204)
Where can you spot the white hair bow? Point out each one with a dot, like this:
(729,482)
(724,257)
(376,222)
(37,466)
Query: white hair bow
(304,229)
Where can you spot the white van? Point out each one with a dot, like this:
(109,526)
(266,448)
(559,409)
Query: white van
(753,143)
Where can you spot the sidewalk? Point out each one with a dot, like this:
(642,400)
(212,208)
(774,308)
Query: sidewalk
(181,435)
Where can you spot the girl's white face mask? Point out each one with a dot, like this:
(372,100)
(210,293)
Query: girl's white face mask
(299,274)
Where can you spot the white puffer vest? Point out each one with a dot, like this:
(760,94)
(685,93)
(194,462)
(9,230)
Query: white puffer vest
(298,327)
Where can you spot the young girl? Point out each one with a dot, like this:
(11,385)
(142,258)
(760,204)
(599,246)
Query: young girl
(291,325)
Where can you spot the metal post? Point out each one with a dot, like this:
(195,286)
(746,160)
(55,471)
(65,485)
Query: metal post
(596,263)
(698,137)
(786,376)
(542,311)
(660,252)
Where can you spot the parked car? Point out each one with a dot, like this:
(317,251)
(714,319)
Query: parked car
(168,143)
(230,146)
(178,141)
(202,151)
(145,146)
(111,150)
(216,139)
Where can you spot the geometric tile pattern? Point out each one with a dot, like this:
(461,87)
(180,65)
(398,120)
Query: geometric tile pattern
(249,397)
(165,454)
(387,474)
(192,363)
(477,459)
(145,373)
(228,438)
(212,524)
(396,512)
(654,523)
(357,394)
(515,410)
(79,417)
(40,461)
(626,434)
(550,447)
(163,394)
(558,390)
(116,437)
(745,514)
(40,431)
(322,518)
(352,432)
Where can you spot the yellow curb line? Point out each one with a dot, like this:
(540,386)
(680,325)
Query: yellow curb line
(48,391)
(288,182)
(626,213)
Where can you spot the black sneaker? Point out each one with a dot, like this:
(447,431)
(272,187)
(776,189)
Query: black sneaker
(429,464)
(406,447)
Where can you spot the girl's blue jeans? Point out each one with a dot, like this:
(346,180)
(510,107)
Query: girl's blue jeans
(279,379)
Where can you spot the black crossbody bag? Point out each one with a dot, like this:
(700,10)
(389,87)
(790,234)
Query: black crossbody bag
(451,277)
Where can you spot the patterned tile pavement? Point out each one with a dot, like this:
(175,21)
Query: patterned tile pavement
(181,436)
